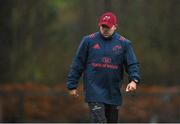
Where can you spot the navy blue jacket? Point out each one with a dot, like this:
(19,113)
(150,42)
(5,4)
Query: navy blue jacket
(102,62)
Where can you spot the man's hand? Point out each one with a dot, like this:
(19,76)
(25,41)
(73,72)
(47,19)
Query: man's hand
(74,93)
(131,86)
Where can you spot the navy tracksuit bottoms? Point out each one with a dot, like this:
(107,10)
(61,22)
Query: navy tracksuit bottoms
(103,113)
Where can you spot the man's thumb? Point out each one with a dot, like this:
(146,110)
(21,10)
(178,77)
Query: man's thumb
(127,88)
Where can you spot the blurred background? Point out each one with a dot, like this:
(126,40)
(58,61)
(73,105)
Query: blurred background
(39,38)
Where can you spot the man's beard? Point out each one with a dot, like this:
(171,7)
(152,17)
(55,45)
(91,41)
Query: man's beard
(106,34)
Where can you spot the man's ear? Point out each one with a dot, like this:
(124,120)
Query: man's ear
(115,26)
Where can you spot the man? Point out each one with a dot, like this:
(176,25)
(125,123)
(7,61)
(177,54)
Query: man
(102,57)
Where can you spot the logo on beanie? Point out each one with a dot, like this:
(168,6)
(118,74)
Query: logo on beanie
(106,18)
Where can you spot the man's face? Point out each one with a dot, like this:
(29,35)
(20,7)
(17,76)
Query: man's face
(106,31)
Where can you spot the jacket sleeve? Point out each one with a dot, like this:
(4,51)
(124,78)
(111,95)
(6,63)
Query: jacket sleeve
(78,65)
(131,63)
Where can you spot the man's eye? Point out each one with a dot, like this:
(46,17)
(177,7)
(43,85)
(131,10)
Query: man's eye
(104,26)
